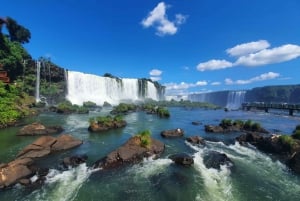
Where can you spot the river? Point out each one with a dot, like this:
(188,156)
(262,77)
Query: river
(255,175)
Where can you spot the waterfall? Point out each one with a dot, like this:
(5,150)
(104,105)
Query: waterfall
(235,99)
(37,84)
(87,87)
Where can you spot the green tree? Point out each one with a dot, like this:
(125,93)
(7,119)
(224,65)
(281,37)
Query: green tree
(17,32)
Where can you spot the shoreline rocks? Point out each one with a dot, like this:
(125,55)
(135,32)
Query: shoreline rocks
(182,159)
(215,159)
(97,127)
(196,140)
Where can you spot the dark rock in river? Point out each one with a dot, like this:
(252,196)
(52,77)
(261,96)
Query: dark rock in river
(22,167)
(131,152)
(215,159)
(172,133)
(294,162)
(74,161)
(196,123)
(196,140)
(182,159)
(39,129)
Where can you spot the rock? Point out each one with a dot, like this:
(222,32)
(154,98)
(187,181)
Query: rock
(74,161)
(172,133)
(215,159)
(129,153)
(95,127)
(64,142)
(213,129)
(25,182)
(182,159)
(294,162)
(196,140)
(39,129)
(196,123)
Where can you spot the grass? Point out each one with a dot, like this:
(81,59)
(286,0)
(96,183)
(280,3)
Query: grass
(145,137)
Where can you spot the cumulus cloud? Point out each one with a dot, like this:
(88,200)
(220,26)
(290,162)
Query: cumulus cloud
(262,77)
(247,48)
(255,53)
(155,72)
(215,83)
(184,85)
(214,65)
(158,19)
(270,56)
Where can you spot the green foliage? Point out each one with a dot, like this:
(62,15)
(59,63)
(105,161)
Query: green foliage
(145,137)
(248,124)
(89,104)
(106,120)
(17,32)
(67,107)
(226,123)
(238,123)
(297,127)
(123,108)
(287,141)
(255,126)
(296,134)
(163,112)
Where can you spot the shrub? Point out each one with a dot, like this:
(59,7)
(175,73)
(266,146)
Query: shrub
(89,104)
(287,141)
(226,122)
(296,134)
(239,123)
(145,137)
(255,126)
(248,124)
(163,112)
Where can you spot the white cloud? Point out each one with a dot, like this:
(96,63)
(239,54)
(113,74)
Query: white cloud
(159,20)
(215,83)
(247,48)
(270,56)
(214,65)
(262,77)
(184,85)
(155,78)
(201,83)
(155,72)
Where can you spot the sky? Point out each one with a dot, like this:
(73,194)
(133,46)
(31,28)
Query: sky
(190,46)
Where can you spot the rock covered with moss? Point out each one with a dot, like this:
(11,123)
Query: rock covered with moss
(39,129)
(104,123)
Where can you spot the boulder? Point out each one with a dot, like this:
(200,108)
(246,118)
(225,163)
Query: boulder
(22,167)
(39,129)
(129,153)
(215,159)
(196,123)
(95,127)
(213,129)
(196,140)
(294,162)
(74,161)
(178,132)
(182,159)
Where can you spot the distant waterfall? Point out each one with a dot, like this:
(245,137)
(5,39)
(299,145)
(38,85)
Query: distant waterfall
(235,99)
(37,84)
(87,87)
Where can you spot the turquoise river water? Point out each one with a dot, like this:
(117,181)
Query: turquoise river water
(256,176)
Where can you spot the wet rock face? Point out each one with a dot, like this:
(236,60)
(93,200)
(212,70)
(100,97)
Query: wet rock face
(129,153)
(182,159)
(74,161)
(22,167)
(196,140)
(213,129)
(215,159)
(294,162)
(39,129)
(178,132)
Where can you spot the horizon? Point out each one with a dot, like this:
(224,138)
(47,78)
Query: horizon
(189,47)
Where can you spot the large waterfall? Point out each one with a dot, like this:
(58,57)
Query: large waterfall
(87,87)
(37,84)
(235,99)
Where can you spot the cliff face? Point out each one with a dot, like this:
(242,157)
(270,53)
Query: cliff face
(280,94)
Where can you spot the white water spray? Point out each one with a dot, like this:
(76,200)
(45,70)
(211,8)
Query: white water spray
(37,84)
(235,99)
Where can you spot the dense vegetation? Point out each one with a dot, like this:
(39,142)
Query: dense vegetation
(288,94)
(66,107)
(248,125)
(145,137)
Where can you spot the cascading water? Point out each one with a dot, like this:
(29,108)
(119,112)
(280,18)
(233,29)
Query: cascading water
(86,87)
(37,84)
(235,99)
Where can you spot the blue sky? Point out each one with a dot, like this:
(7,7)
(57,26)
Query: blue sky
(188,45)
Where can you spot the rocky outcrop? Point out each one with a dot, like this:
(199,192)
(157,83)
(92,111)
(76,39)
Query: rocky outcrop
(39,129)
(196,140)
(196,123)
(98,127)
(22,167)
(232,128)
(215,159)
(178,132)
(182,159)
(129,153)
(74,161)
(213,129)
(294,162)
